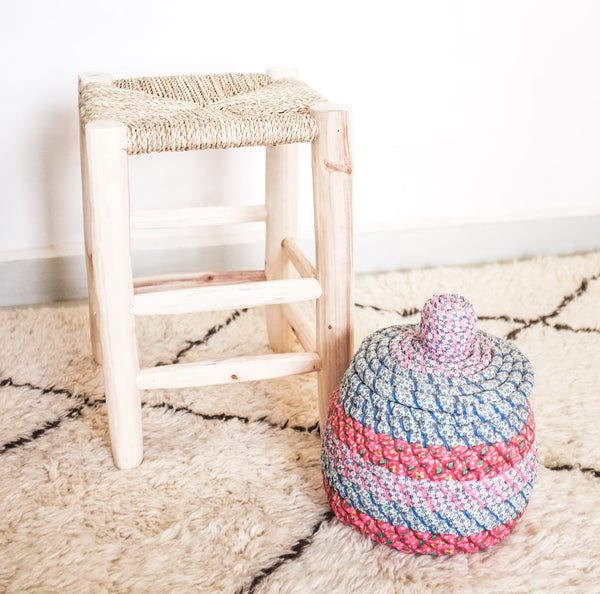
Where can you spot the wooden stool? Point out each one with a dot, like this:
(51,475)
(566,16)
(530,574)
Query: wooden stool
(132,116)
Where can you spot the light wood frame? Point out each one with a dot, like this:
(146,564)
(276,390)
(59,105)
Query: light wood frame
(109,235)
(332,196)
(115,298)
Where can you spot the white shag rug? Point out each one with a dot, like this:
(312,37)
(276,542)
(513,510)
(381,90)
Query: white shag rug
(229,497)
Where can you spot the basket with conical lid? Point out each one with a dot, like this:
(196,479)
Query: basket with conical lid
(429,442)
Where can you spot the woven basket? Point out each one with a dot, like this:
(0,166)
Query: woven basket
(429,443)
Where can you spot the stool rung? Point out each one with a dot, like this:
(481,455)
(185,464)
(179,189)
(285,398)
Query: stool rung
(203,216)
(305,331)
(150,284)
(226,371)
(221,297)
(296,256)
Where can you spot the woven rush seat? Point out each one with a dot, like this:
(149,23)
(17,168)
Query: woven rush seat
(179,113)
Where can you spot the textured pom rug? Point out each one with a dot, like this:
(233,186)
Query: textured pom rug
(229,497)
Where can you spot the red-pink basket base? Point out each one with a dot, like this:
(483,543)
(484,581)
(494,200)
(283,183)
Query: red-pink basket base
(409,541)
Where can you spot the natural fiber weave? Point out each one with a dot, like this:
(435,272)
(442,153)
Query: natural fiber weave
(429,445)
(179,113)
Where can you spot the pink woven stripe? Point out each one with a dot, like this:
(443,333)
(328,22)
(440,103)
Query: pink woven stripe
(434,462)
(409,541)
(446,342)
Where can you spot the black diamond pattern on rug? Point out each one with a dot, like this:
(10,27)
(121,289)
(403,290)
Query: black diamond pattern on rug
(38,409)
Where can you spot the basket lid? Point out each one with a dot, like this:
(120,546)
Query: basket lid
(441,381)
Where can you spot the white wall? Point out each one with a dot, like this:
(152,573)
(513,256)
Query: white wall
(468,110)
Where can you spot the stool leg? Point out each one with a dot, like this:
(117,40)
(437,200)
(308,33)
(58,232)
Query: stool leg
(110,238)
(332,189)
(281,201)
(282,204)
(87,234)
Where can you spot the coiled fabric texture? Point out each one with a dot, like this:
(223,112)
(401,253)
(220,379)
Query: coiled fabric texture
(429,445)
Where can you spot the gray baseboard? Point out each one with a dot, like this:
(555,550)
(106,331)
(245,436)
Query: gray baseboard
(59,279)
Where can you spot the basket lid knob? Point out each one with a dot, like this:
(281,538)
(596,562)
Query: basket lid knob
(448,327)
